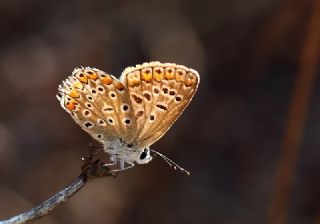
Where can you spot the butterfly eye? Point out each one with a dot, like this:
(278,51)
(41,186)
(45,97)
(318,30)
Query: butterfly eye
(143,155)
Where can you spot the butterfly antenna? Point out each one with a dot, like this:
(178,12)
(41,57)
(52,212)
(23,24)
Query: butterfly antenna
(170,162)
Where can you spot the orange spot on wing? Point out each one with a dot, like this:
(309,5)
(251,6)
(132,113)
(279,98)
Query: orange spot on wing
(180,75)
(119,86)
(158,73)
(70,106)
(169,73)
(133,79)
(74,93)
(190,80)
(107,80)
(146,74)
(82,78)
(92,75)
(131,83)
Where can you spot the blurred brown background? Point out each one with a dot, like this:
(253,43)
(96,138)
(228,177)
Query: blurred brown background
(250,137)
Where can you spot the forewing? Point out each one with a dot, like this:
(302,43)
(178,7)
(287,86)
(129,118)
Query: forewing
(99,103)
(159,93)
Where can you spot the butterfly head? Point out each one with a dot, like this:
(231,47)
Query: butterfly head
(128,153)
(144,156)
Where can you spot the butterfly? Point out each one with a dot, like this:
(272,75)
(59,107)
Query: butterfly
(127,115)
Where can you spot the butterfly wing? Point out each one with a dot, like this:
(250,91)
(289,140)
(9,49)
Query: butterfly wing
(159,93)
(99,103)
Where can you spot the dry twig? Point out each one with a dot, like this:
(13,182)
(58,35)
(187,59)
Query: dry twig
(91,168)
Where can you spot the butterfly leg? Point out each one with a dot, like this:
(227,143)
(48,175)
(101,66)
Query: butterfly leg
(112,163)
(123,167)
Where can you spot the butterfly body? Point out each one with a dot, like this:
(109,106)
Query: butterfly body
(125,153)
(130,114)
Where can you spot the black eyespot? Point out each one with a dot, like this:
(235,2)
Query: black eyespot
(143,155)
(86,113)
(108,109)
(156,91)
(162,107)
(110,121)
(94,91)
(140,113)
(137,99)
(165,90)
(125,107)
(127,121)
(151,117)
(88,124)
(101,122)
(172,92)
(147,96)
(100,89)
